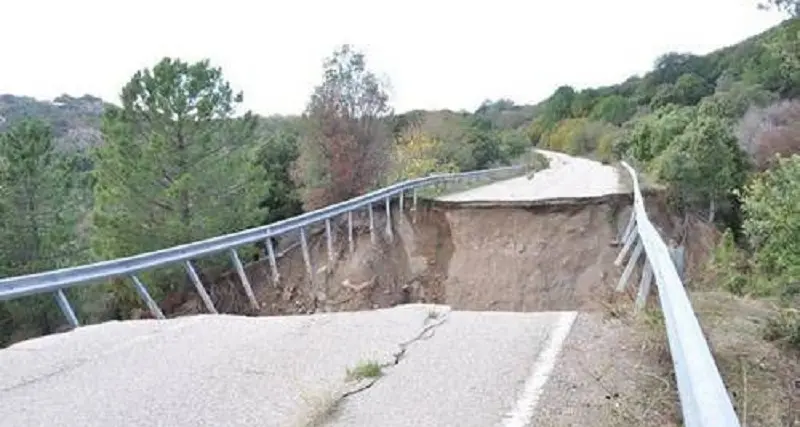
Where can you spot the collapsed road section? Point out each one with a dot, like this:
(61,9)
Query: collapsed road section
(285,371)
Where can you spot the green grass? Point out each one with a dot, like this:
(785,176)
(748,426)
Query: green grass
(364,370)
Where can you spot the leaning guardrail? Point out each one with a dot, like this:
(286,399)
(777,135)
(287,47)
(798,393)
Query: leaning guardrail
(704,400)
(57,280)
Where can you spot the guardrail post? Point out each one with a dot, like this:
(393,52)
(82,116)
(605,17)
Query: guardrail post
(631,237)
(414,206)
(350,231)
(329,237)
(644,285)
(306,256)
(148,300)
(628,228)
(273,263)
(66,308)
(389,219)
(400,201)
(200,289)
(371,224)
(248,290)
(677,253)
(626,274)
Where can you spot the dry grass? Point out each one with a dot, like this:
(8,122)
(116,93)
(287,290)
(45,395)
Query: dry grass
(761,376)
(654,397)
(322,407)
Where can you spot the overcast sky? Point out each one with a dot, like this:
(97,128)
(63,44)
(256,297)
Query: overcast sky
(436,53)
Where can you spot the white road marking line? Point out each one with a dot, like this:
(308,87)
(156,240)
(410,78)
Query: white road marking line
(523,411)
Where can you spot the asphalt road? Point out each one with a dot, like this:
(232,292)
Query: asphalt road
(468,369)
(567,177)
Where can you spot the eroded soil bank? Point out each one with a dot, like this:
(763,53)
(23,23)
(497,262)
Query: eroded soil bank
(615,367)
(533,258)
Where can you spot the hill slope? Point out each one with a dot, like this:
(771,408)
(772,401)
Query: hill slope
(75,121)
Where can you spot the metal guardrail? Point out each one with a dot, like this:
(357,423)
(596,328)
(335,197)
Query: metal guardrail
(57,280)
(704,400)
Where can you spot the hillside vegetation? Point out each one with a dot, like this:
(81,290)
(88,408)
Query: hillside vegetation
(82,180)
(722,132)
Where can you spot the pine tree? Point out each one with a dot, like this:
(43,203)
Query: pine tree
(38,221)
(177,164)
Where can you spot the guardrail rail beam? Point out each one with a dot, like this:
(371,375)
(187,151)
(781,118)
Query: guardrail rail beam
(705,401)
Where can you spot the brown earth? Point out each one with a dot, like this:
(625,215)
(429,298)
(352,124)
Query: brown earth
(534,258)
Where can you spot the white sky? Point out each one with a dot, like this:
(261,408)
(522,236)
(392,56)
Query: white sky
(436,53)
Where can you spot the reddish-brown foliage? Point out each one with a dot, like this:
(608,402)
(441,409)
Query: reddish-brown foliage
(771,132)
(346,151)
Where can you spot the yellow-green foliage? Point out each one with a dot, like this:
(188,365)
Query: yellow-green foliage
(565,135)
(417,154)
(605,146)
(581,137)
(536,130)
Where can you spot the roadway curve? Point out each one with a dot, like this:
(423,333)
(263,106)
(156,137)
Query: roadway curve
(567,178)
(457,369)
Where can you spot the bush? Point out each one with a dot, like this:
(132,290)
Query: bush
(702,167)
(533,162)
(579,136)
(772,224)
(513,144)
(784,326)
(728,266)
(416,154)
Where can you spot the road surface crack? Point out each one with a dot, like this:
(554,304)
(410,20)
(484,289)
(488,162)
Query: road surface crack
(427,332)
(432,321)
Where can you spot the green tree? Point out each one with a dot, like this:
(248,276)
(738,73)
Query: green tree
(688,89)
(176,165)
(734,101)
(784,51)
(558,107)
(584,102)
(486,150)
(670,66)
(771,206)
(790,7)
(274,159)
(39,213)
(650,135)
(614,109)
(513,144)
(704,166)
